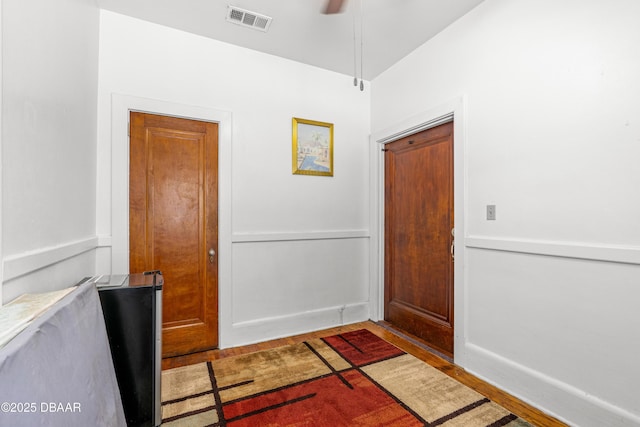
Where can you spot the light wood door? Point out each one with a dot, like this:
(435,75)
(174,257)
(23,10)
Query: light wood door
(173,223)
(418,235)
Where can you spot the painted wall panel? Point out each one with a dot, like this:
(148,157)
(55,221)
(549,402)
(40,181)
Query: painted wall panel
(551,115)
(49,96)
(559,316)
(273,279)
(263,93)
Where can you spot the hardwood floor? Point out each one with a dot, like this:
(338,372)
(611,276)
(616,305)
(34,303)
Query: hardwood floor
(411,346)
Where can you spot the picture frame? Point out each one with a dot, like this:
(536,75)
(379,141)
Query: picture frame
(312,147)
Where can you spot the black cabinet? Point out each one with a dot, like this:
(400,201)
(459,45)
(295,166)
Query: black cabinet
(133,318)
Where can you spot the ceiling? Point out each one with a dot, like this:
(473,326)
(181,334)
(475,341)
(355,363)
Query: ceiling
(300,31)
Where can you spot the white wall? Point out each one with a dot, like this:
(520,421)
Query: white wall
(552,138)
(49,96)
(297,249)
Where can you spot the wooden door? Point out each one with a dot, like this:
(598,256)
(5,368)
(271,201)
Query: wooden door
(418,235)
(173,223)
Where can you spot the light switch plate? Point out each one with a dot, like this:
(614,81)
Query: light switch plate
(491,212)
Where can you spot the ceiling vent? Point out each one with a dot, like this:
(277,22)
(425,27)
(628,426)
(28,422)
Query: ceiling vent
(249,19)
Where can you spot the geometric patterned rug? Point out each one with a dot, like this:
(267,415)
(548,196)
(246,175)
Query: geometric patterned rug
(351,379)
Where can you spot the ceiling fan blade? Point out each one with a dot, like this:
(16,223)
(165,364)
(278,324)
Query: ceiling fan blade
(333,6)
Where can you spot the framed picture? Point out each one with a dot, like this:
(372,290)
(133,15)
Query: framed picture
(312,147)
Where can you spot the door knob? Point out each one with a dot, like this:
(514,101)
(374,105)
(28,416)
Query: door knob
(212,253)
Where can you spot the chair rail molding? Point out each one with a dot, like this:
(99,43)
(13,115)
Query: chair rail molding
(18,265)
(578,250)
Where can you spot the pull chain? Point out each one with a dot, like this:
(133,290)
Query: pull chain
(355,67)
(361,49)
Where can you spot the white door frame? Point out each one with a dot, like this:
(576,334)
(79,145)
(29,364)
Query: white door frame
(121,106)
(452,110)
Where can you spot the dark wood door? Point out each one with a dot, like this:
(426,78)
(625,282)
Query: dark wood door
(418,235)
(173,223)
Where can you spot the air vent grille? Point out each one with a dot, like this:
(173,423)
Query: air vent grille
(249,19)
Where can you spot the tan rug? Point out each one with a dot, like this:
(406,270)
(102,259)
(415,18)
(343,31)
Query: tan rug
(352,379)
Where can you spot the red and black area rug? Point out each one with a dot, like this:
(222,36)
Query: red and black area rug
(351,379)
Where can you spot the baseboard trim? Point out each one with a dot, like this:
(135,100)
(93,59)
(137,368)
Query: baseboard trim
(561,400)
(15,266)
(596,252)
(259,330)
